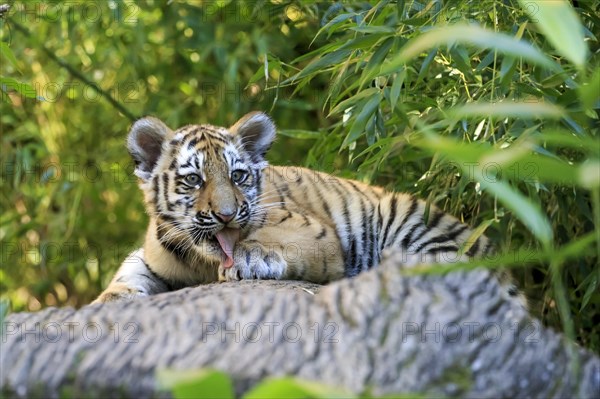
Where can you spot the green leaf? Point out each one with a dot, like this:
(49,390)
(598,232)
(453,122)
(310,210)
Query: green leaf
(24,89)
(478,232)
(564,138)
(468,34)
(320,63)
(397,87)
(589,175)
(529,213)
(341,107)
(373,29)
(560,24)
(259,74)
(466,158)
(300,134)
(361,119)
(589,92)
(591,282)
(508,109)
(8,54)
(197,384)
(487,60)
(292,388)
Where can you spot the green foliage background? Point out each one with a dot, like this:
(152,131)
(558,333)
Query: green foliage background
(475,106)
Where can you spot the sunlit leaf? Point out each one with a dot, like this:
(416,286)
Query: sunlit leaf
(559,23)
(508,109)
(365,110)
(7,53)
(397,87)
(467,158)
(198,384)
(292,388)
(299,134)
(472,35)
(24,89)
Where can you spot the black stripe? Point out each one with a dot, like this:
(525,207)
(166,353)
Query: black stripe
(286,217)
(411,211)
(177,250)
(453,226)
(350,250)
(359,245)
(473,250)
(281,196)
(453,234)
(322,234)
(324,203)
(408,237)
(155,188)
(153,277)
(358,190)
(393,205)
(185,165)
(165,190)
(442,248)
(433,222)
(435,219)
(367,233)
(286,188)
(442,238)
(376,194)
(365,237)
(192,143)
(351,264)
(372,240)
(306,221)
(216,136)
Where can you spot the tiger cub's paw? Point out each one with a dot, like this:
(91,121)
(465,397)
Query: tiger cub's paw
(119,293)
(253,261)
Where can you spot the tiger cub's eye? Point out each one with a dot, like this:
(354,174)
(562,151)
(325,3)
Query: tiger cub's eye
(239,176)
(192,179)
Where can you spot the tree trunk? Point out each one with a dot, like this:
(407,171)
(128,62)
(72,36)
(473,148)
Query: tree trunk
(383,331)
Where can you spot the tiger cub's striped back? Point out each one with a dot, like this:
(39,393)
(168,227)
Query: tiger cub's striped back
(368,219)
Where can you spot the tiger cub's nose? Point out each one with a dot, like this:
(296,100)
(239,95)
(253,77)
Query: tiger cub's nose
(225,217)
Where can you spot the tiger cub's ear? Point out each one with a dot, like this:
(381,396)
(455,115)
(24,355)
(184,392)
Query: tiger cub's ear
(256,132)
(144,143)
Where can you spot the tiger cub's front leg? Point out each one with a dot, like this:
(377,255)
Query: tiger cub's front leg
(133,279)
(289,246)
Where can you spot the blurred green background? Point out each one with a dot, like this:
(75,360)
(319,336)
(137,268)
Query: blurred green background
(369,90)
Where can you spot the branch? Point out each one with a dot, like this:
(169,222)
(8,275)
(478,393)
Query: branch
(383,332)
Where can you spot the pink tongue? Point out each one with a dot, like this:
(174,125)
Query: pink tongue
(227,239)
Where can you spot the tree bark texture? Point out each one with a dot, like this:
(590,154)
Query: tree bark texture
(384,331)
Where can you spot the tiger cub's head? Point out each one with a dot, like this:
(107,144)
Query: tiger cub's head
(201,183)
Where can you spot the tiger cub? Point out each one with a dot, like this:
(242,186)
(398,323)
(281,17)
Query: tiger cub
(218,212)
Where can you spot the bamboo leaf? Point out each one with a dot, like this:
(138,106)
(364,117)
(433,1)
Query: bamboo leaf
(288,387)
(397,87)
(508,109)
(199,384)
(559,23)
(299,134)
(6,52)
(473,35)
(361,119)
